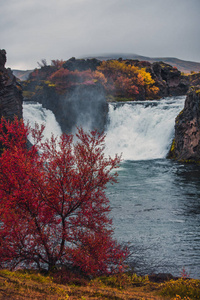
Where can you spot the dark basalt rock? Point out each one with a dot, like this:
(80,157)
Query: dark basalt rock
(194,79)
(83,105)
(169,80)
(2,59)
(186,144)
(10,92)
(161,277)
(81,64)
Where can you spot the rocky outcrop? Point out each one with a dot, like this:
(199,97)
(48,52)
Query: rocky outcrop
(82,105)
(194,79)
(161,277)
(81,64)
(186,144)
(169,80)
(10,92)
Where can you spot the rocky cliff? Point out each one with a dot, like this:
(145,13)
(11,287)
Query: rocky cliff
(82,105)
(186,144)
(169,80)
(10,92)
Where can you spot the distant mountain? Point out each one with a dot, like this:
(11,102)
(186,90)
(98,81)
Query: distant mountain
(182,65)
(22,75)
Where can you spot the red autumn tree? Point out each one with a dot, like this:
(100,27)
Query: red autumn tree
(63,79)
(53,207)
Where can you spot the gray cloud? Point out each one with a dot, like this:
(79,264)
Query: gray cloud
(34,29)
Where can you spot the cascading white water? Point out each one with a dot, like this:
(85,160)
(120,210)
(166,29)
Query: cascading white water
(142,130)
(35,113)
(139,130)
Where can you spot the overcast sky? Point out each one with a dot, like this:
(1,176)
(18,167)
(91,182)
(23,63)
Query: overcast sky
(31,30)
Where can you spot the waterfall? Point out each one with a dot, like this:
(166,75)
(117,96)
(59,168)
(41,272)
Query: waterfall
(142,130)
(139,130)
(35,113)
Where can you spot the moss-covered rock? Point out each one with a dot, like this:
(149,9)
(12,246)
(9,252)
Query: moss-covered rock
(169,80)
(186,144)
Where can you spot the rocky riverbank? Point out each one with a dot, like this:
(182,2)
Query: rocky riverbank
(186,144)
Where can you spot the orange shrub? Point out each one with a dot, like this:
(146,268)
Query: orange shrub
(128,79)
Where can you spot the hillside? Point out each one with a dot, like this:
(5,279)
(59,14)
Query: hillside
(22,75)
(182,65)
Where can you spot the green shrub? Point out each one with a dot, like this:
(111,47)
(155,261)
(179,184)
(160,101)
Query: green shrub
(124,280)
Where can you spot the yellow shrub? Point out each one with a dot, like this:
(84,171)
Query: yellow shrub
(182,289)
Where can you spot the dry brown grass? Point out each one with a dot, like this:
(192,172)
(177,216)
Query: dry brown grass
(32,285)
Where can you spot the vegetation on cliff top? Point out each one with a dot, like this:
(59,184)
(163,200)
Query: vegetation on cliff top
(128,80)
(124,79)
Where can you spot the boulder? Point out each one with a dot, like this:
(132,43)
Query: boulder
(81,64)
(10,92)
(186,144)
(168,79)
(161,277)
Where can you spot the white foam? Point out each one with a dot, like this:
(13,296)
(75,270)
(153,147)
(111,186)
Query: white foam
(142,130)
(35,113)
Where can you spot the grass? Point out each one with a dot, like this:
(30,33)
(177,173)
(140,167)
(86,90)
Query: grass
(184,288)
(111,98)
(26,284)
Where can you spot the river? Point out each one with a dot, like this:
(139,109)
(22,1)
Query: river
(156,202)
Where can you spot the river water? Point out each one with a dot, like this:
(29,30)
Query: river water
(156,209)
(156,202)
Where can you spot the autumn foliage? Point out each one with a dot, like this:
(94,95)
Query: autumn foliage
(53,209)
(63,79)
(127,79)
(120,78)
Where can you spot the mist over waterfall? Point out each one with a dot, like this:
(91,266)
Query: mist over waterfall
(142,130)
(35,113)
